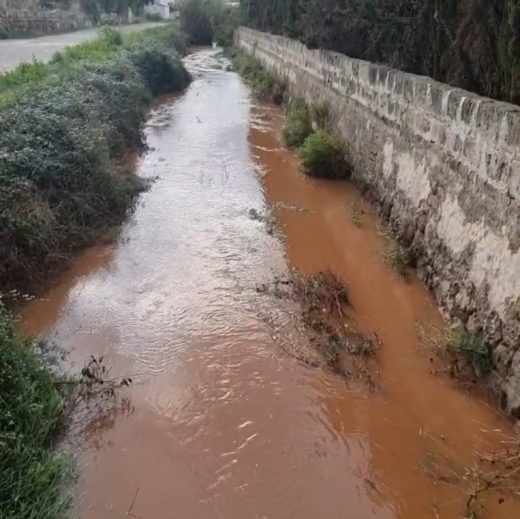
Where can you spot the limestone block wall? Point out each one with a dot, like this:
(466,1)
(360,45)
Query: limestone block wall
(444,166)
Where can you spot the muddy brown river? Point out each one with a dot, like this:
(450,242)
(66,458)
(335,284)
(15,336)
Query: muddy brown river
(223,422)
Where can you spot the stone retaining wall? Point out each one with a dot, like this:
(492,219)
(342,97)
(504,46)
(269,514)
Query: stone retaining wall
(444,166)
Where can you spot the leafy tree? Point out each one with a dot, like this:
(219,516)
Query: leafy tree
(474,44)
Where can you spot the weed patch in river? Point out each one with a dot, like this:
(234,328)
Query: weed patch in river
(493,475)
(395,257)
(470,348)
(321,304)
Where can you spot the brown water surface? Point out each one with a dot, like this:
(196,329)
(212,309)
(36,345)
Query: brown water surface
(224,423)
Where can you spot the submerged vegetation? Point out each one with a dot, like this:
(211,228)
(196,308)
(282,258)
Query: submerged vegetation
(395,258)
(321,306)
(64,132)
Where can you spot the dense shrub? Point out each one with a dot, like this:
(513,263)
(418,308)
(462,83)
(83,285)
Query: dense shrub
(474,44)
(322,155)
(31,413)
(59,184)
(195,16)
(160,71)
(205,21)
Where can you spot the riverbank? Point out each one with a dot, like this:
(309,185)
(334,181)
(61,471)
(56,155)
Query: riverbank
(66,130)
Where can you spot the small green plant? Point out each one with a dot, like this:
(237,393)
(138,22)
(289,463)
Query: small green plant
(396,258)
(322,155)
(298,125)
(470,347)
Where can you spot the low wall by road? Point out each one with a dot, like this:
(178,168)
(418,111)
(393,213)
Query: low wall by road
(19,17)
(444,166)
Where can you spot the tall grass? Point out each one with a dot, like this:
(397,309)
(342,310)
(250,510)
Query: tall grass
(32,404)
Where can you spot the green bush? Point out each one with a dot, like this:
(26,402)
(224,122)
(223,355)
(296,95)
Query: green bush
(195,17)
(322,155)
(60,184)
(162,72)
(298,125)
(32,407)
(68,62)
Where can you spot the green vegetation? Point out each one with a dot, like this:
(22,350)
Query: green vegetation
(395,257)
(473,44)
(207,20)
(471,348)
(68,63)
(264,85)
(196,22)
(32,406)
(298,124)
(64,133)
(322,155)
(302,120)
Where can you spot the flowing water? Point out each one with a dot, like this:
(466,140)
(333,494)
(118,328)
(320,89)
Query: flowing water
(223,423)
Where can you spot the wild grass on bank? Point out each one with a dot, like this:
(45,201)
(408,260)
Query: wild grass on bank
(32,406)
(264,85)
(68,63)
(63,135)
